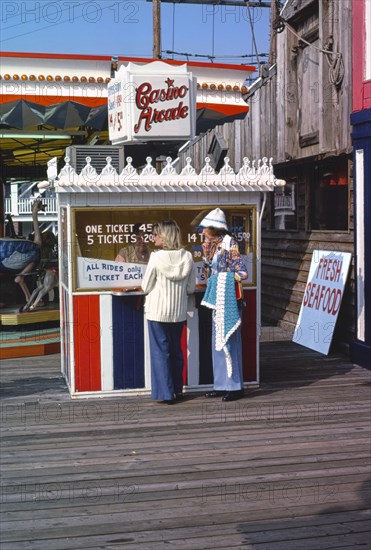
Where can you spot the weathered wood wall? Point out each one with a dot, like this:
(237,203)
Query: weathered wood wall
(297,117)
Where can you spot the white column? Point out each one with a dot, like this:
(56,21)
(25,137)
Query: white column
(106,338)
(14,199)
(360,244)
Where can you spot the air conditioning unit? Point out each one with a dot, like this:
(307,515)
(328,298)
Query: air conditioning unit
(98,155)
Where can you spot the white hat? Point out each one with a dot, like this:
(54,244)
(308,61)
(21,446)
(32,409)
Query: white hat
(215,218)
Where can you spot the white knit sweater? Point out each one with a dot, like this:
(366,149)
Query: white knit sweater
(169,278)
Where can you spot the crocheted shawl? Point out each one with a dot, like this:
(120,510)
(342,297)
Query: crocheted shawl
(220,296)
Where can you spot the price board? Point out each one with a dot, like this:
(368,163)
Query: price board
(112,245)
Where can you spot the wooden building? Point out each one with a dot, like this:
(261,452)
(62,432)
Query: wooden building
(299,114)
(361,135)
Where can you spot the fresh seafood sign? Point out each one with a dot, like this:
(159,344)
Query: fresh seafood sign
(154,101)
(322,299)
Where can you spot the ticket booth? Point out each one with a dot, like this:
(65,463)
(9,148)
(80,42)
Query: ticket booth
(104,341)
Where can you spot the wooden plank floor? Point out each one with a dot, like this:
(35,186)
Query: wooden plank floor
(285,468)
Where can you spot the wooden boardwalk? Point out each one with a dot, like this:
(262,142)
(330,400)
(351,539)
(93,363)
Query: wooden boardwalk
(286,468)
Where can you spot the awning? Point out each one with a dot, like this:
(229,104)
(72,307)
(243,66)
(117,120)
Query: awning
(21,114)
(33,133)
(68,114)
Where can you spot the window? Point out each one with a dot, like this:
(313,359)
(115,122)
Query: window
(329,196)
(308,98)
(112,244)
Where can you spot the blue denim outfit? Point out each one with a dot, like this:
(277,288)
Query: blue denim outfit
(166,359)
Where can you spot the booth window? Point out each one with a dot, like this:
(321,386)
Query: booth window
(329,192)
(105,255)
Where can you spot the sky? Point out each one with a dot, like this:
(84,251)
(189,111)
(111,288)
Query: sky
(124,28)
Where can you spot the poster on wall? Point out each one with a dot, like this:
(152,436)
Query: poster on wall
(322,300)
(113,246)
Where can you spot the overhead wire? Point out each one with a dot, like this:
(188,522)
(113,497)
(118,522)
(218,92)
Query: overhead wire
(187,54)
(57,22)
(253,34)
(212,57)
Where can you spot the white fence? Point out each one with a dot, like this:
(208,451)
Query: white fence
(283,201)
(24,206)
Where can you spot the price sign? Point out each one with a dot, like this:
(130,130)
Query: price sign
(111,241)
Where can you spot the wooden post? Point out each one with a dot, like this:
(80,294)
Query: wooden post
(156,29)
(273,36)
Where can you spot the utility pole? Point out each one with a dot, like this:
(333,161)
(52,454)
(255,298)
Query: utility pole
(156,29)
(273,40)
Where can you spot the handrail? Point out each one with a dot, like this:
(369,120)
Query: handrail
(283,201)
(25,206)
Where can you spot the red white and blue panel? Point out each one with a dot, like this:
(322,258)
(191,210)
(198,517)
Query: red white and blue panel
(111,343)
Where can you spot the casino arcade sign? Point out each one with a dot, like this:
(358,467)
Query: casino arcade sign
(156,101)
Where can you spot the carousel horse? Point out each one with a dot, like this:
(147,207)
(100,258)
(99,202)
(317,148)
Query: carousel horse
(49,281)
(21,256)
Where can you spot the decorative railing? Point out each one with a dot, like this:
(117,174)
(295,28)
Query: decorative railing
(255,175)
(24,206)
(283,202)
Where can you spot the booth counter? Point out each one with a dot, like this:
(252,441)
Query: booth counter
(102,217)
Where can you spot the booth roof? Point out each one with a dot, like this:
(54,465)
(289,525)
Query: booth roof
(253,176)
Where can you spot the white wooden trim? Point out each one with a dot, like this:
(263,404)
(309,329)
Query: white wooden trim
(360,244)
(70,306)
(193,363)
(253,176)
(106,339)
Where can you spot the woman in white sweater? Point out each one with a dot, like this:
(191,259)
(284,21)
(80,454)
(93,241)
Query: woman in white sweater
(169,278)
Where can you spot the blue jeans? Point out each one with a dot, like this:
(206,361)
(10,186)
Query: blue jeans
(166,359)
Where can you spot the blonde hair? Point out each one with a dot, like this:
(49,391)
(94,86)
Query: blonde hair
(170,233)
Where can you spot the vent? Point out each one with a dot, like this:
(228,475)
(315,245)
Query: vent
(98,155)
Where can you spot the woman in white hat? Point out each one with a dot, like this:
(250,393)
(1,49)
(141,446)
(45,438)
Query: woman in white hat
(221,255)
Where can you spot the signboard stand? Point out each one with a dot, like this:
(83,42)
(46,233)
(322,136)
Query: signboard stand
(104,220)
(322,299)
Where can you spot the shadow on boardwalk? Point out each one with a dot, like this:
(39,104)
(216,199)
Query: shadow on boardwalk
(285,468)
